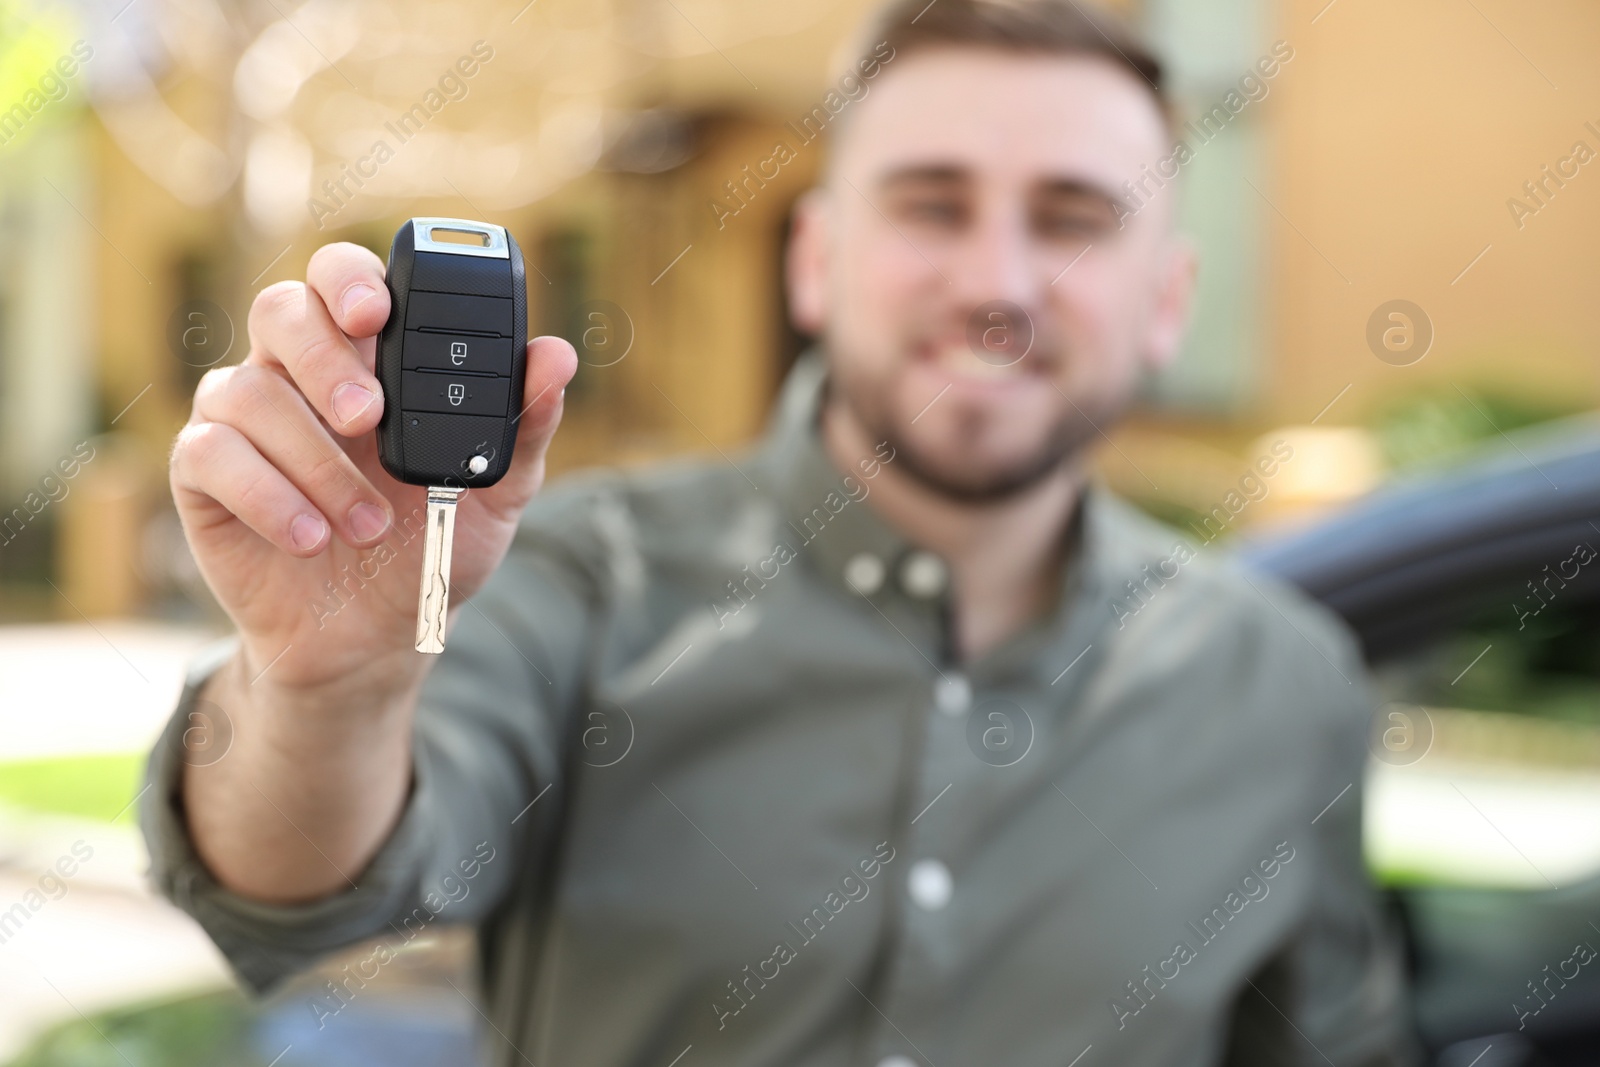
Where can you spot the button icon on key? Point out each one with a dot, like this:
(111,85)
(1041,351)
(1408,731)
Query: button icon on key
(457,393)
(458,352)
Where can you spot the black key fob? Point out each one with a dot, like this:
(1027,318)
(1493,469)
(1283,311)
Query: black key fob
(452,356)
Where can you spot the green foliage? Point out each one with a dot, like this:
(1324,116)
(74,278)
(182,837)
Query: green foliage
(1431,427)
(31,40)
(93,787)
(1549,669)
(1174,513)
(205,1031)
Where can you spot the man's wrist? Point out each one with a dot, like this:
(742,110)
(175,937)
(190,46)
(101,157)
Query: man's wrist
(354,702)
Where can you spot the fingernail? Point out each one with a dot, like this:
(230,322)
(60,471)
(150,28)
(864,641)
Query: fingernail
(307,532)
(367,521)
(350,401)
(353,296)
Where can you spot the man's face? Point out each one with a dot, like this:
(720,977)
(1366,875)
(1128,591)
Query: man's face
(974,199)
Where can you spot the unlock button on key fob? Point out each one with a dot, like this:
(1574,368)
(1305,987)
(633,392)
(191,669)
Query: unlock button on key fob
(453,352)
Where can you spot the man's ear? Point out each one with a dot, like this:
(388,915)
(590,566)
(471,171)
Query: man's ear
(1174,300)
(806,262)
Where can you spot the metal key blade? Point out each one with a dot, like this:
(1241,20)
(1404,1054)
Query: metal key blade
(433,601)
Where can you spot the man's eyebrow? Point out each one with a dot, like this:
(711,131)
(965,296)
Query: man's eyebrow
(930,173)
(952,174)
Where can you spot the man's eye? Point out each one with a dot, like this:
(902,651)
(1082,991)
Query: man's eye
(933,212)
(1070,224)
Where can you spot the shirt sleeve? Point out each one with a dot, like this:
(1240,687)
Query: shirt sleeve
(1336,992)
(487,748)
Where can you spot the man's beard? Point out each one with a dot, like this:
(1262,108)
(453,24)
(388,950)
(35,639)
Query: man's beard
(1068,440)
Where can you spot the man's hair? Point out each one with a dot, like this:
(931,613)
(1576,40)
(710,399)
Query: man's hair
(1038,27)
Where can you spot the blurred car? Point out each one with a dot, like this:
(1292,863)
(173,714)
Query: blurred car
(1493,556)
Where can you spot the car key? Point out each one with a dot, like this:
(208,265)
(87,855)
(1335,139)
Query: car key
(451,361)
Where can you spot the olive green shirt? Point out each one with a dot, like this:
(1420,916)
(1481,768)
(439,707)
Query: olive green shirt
(701,766)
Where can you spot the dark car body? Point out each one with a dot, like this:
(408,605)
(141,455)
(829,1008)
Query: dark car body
(1410,567)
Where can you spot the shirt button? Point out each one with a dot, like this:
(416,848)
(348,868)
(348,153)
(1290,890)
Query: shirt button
(898,1061)
(864,573)
(930,884)
(953,693)
(923,574)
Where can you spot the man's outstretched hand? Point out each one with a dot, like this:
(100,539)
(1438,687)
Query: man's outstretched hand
(279,487)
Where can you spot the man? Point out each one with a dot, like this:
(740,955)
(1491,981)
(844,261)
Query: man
(891,741)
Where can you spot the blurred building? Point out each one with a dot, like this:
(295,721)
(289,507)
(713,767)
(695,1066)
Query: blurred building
(202,150)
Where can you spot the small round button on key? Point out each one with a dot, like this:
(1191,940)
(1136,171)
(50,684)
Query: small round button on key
(477,465)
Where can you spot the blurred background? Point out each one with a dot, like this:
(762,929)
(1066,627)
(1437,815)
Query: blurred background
(1398,237)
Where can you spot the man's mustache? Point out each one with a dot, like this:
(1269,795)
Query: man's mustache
(997,332)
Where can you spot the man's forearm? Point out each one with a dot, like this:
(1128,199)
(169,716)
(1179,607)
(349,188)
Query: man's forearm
(309,789)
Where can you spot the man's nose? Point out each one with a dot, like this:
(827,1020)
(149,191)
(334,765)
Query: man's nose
(998,262)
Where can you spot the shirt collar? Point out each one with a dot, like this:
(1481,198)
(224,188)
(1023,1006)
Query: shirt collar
(823,507)
(827,510)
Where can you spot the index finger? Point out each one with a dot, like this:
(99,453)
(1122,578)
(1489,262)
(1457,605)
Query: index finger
(349,279)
